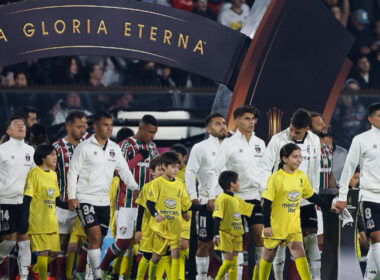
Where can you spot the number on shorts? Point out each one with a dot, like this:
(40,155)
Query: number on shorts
(203,222)
(368,213)
(88,209)
(4,215)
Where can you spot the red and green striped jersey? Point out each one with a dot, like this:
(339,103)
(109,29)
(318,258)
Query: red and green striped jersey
(65,151)
(129,148)
(326,166)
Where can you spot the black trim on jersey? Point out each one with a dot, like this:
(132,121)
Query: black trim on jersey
(267,209)
(140,214)
(151,207)
(323,203)
(217,225)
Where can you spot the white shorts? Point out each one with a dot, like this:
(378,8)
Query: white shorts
(66,219)
(320,222)
(125,222)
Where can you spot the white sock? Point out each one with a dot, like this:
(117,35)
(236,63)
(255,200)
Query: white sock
(202,267)
(314,256)
(6,247)
(279,263)
(370,270)
(24,258)
(240,265)
(258,255)
(376,255)
(94,258)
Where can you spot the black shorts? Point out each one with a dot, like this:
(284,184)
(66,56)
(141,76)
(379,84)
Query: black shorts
(13,219)
(309,217)
(371,214)
(205,225)
(257,213)
(91,215)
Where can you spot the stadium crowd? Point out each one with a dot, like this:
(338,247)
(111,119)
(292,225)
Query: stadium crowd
(59,200)
(361,18)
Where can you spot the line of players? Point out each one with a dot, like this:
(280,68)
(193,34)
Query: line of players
(86,175)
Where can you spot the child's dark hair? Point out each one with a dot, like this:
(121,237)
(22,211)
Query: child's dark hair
(169,158)
(41,152)
(286,151)
(179,148)
(226,178)
(156,161)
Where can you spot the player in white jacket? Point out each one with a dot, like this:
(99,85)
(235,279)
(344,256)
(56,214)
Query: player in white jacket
(298,133)
(16,159)
(365,152)
(89,179)
(201,159)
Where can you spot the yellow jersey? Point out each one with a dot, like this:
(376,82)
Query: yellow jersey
(42,186)
(181,175)
(113,204)
(285,191)
(141,200)
(171,199)
(229,209)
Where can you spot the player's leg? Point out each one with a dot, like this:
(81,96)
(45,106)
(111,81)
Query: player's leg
(160,247)
(269,253)
(237,247)
(41,266)
(175,254)
(279,263)
(8,222)
(370,270)
(309,224)
(153,265)
(205,233)
(143,265)
(298,253)
(184,254)
(228,259)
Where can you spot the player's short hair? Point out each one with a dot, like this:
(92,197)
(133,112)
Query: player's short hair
(301,118)
(315,114)
(169,158)
(357,169)
(15,117)
(101,114)
(179,148)
(373,108)
(25,110)
(286,151)
(148,119)
(226,178)
(41,152)
(212,116)
(70,119)
(240,111)
(124,133)
(156,161)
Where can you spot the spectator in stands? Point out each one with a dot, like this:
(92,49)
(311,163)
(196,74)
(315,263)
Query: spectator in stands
(235,16)
(341,13)
(148,75)
(112,70)
(351,85)
(38,135)
(21,80)
(123,102)
(363,74)
(166,78)
(95,75)
(201,8)
(359,27)
(63,107)
(8,79)
(376,40)
(71,74)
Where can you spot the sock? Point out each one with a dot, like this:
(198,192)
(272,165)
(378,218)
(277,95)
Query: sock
(127,264)
(117,264)
(12,263)
(234,269)
(182,262)
(202,267)
(376,255)
(113,252)
(313,254)
(240,265)
(152,270)
(42,267)
(175,269)
(82,258)
(6,247)
(94,258)
(143,266)
(258,254)
(303,268)
(167,265)
(265,268)
(160,270)
(24,258)
(223,269)
(70,264)
(279,263)
(370,270)
(61,265)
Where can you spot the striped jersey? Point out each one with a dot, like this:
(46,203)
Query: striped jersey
(326,165)
(129,149)
(65,151)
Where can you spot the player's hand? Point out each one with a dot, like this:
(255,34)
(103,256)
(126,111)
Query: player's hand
(196,201)
(73,204)
(216,240)
(186,216)
(268,232)
(210,205)
(138,236)
(144,153)
(159,218)
(333,208)
(341,205)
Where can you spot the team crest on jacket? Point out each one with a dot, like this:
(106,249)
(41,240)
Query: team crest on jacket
(112,153)
(293,196)
(258,149)
(50,193)
(27,157)
(170,203)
